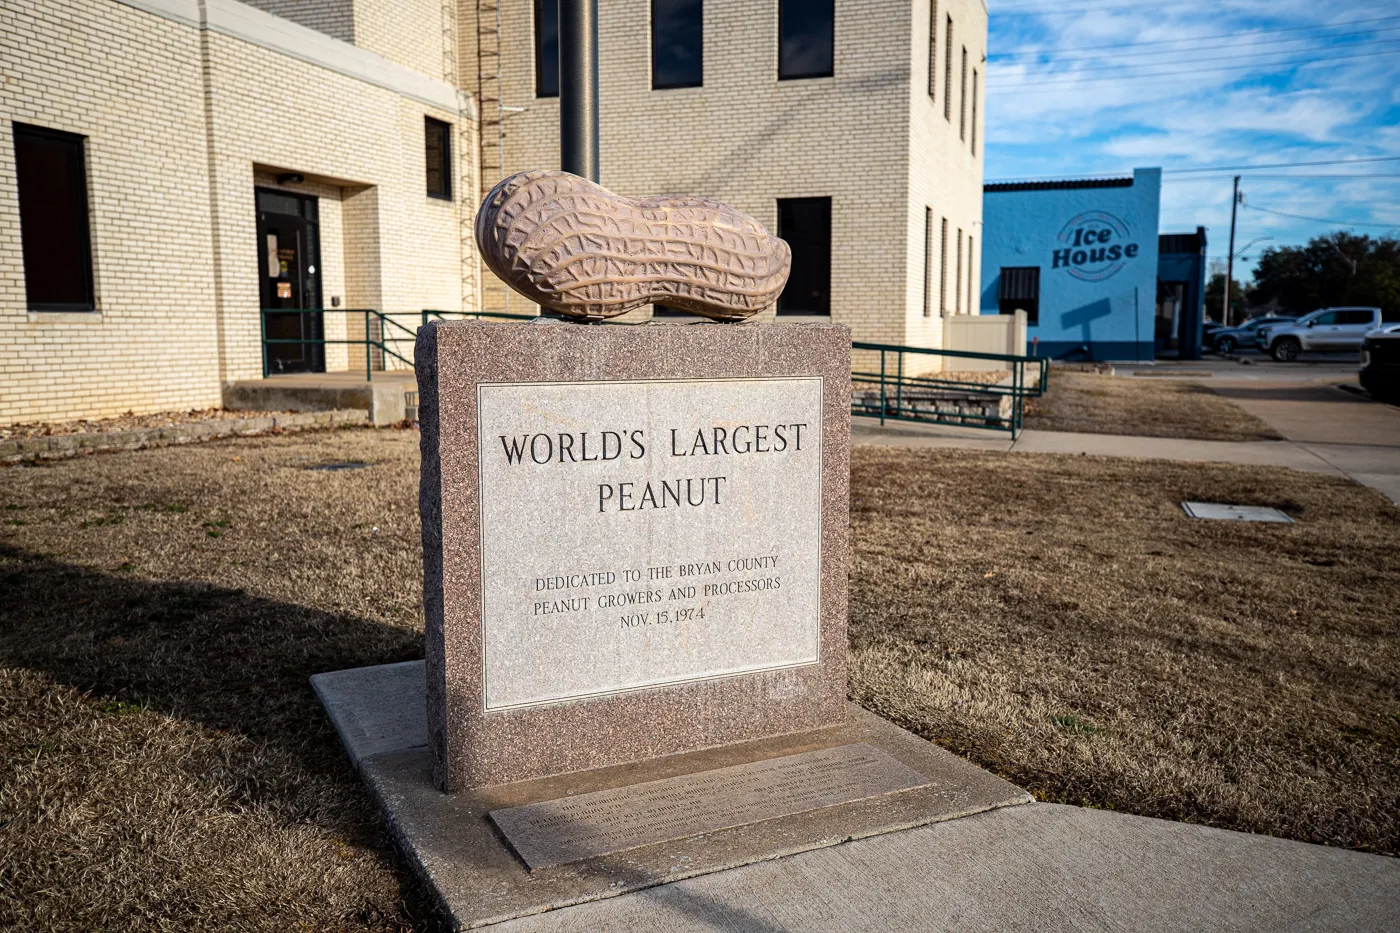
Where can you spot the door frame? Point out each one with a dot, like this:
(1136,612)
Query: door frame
(312,324)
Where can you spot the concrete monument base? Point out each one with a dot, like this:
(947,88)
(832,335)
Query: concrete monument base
(596,834)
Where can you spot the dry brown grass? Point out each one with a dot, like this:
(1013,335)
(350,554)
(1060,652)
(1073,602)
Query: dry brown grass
(1061,621)
(1095,404)
(163,761)
(164,764)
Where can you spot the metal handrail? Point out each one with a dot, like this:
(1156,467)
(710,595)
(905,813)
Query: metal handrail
(477,315)
(369,343)
(895,402)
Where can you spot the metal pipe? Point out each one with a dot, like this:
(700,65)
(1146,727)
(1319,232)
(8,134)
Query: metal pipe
(578,87)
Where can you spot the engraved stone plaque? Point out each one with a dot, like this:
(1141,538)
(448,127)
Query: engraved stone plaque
(635,541)
(556,832)
(646,533)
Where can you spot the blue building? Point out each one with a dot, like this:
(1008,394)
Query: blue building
(1082,259)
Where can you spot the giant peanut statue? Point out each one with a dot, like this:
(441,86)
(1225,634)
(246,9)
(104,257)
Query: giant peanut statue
(575,247)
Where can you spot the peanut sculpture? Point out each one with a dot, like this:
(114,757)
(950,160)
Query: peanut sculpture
(574,247)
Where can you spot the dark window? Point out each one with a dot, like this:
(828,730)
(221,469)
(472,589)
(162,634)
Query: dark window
(805,223)
(957,287)
(1019,287)
(1354,317)
(53,219)
(1325,320)
(962,97)
(546,48)
(677,43)
(943,268)
(438,148)
(971,276)
(974,111)
(928,261)
(932,47)
(806,38)
(948,71)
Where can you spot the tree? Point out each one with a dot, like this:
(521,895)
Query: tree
(1215,296)
(1338,268)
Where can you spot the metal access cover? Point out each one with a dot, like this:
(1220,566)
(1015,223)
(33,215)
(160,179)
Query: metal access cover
(343,465)
(1235,513)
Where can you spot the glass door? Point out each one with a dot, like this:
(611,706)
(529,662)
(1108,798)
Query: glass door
(289,277)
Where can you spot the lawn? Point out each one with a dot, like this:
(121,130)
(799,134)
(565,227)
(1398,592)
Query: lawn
(1097,404)
(164,764)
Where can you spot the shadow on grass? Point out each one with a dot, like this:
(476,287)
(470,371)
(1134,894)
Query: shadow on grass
(225,659)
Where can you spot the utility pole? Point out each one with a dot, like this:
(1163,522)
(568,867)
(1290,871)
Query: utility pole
(1229,263)
(578,87)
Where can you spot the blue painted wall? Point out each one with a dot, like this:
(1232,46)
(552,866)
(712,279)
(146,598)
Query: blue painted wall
(1096,247)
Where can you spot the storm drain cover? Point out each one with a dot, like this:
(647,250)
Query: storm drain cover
(342,465)
(1235,513)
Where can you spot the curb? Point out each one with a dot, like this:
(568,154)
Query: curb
(63,446)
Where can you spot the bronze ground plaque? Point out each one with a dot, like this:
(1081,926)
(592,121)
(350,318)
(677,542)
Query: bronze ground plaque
(556,832)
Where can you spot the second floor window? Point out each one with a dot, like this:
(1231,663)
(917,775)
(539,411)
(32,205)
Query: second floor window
(932,47)
(677,43)
(806,39)
(438,157)
(546,48)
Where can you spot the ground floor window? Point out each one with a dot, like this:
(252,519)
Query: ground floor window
(805,223)
(1019,287)
(53,219)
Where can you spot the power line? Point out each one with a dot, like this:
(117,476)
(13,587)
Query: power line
(995,59)
(1256,177)
(1232,168)
(1100,65)
(1320,220)
(1054,11)
(1033,82)
(1203,168)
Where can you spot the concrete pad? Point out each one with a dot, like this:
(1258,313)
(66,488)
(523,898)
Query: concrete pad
(383,398)
(1039,869)
(376,709)
(912,434)
(1259,453)
(453,844)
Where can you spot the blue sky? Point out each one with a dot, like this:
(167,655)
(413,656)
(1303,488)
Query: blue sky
(1099,86)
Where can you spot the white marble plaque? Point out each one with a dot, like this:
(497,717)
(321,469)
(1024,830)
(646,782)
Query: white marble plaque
(639,534)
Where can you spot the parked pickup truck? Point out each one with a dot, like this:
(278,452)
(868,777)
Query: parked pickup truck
(1327,329)
(1380,363)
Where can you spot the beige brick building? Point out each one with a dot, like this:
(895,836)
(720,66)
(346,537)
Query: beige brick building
(890,131)
(191,127)
(224,157)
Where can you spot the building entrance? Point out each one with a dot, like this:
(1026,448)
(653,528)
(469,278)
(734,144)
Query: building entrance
(289,276)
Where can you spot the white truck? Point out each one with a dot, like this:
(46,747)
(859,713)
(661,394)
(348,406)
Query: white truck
(1324,330)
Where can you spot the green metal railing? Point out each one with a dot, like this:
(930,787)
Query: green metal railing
(891,395)
(368,341)
(476,315)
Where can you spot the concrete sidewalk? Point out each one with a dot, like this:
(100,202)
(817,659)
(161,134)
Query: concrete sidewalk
(1374,465)
(1033,867)
(1041,868)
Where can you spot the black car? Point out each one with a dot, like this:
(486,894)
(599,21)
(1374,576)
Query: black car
(1380,363)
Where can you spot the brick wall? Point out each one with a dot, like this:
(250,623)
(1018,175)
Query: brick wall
(401,248)
(129,82)
(181,125)
(863,137)
(335,18)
